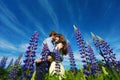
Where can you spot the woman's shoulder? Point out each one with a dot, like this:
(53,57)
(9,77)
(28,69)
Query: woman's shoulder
(60,44)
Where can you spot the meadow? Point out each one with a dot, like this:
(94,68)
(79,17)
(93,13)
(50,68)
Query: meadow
(108,68)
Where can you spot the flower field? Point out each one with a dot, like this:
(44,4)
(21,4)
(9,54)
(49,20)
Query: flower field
(108,68)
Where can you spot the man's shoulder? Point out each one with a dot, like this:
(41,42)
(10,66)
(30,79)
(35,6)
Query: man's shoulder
(47,39)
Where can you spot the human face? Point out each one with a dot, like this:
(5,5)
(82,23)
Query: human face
(53,38)
(57,39)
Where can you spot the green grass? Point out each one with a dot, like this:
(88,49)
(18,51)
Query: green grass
(105,74)
(112,75)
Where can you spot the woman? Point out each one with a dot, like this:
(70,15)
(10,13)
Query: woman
(61,47)
(61,44)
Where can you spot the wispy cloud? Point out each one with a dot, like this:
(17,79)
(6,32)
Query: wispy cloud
(47,6)
(108,6)
(27,13)
(10,25)
(7,12)
(42,31)
(32,19)
(9,19)
(8,46)
(23,47)
(70,9)
(4,44)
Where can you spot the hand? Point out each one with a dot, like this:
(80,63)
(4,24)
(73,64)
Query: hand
(50,58)
(45,42)
(38,61)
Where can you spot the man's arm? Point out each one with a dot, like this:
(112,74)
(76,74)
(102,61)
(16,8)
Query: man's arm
(50,44)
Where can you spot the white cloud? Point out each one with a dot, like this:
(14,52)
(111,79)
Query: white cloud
(42,31)
(27,13)
(23,47)
(70,9)
(7,12)
(7,45)
(46,5)
(32,19)
(9,19)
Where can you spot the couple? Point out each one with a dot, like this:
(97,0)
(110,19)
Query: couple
(54,42)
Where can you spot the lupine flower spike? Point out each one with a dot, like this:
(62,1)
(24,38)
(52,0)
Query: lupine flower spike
(108,53)
(14,71)
(82,49)
(94,68)
(3,62)
(71,58)
(42,67)
(97,45)
(86,52)
(57,60)
(28,67)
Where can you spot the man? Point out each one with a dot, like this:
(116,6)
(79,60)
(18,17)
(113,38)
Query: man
(50,44)
(41,63)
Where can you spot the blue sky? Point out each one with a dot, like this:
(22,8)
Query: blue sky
(20,18)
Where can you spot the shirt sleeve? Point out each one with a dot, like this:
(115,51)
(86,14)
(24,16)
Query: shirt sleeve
(50,44)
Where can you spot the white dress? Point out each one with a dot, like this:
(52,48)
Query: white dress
(53,64)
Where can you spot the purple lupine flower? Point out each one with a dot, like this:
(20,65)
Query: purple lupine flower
(57,60)
(72,60)
(94,68)
(82,49)
(43,67)
(108,53)
(3,62)
(28,67)
(13,72)
(105,51)
(87,55)
(45,52)
(96,41)
(11,62)
(97,45)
